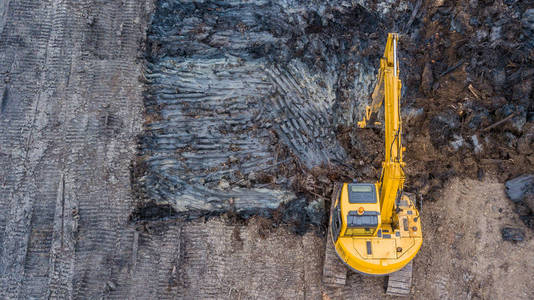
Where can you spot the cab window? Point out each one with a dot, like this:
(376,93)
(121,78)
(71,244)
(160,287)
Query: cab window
(361,224)
(362,193)
(359,231)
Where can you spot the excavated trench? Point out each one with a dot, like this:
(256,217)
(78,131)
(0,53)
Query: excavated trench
(250,107)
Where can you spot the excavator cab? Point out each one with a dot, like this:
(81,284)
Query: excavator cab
(362,213)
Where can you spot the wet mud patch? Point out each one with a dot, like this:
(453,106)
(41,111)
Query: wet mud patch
(242,105)
(249,104)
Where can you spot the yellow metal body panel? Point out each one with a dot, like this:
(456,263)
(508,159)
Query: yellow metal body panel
(397,238)
(395,246)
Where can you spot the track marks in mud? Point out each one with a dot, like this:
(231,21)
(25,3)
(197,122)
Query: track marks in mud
(220,120)
(228,85)
(211,259)
(67,131)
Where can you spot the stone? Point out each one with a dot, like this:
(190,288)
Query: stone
(411,115)
(481,35)
(223,184)
(499,77)
(495,34)
(519,187)
(476,144)
(512,234)
(457,143)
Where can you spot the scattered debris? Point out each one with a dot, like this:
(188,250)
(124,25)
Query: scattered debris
(499,122)
(457,65)
(474,91)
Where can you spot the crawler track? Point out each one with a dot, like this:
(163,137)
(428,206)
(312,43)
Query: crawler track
(400,282)
(334,271)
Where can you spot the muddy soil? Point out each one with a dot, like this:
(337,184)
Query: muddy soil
(467,106)
(253,106)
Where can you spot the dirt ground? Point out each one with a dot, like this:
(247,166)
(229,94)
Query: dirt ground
(463,254)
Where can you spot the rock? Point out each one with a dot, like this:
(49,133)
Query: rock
(294,214)
(525,144)
(517,123)
(314,211)
(481,35)
(476,118)
(111,285)
(456,25)
(223,184)
(499,77)
(458,142)
(443,127)
(411,115)
(512,234)
(527,21)
(495,34)
(476,144)
(519,187)
(427,79)
(252,176)
(323,179)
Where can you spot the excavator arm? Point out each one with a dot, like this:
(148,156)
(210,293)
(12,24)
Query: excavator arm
(389,59)
(387,92)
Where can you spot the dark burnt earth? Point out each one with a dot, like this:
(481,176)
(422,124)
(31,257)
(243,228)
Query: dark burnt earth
(248,104)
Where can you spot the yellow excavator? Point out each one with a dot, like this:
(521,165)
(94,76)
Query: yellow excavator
(375,228)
